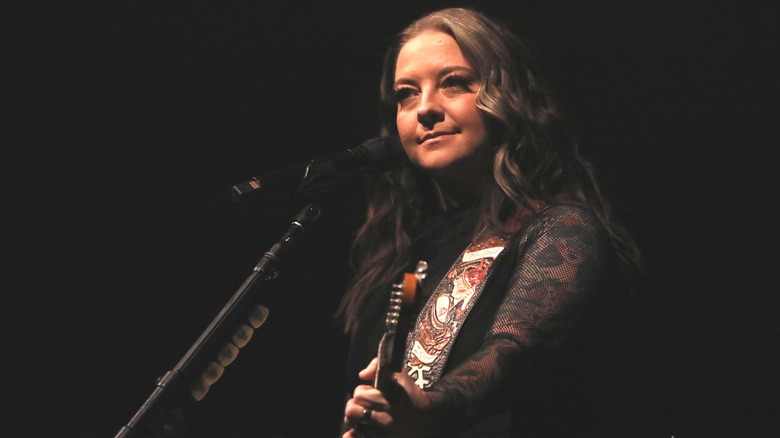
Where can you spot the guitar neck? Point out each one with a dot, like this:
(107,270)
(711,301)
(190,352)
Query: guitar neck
(390,352)
(385,369)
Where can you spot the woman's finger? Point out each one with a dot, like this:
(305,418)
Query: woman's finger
(358,414)
(369,371)
(370,397)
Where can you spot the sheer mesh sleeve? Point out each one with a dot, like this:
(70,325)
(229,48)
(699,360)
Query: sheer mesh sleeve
(562,260)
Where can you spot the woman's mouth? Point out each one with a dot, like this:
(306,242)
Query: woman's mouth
(434,137)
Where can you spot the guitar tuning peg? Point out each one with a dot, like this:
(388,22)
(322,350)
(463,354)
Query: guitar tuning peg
(421,271)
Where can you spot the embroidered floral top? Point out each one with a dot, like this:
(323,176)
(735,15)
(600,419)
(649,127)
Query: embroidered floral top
(536,354)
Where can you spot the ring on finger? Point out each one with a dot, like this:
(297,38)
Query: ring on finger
(367,414)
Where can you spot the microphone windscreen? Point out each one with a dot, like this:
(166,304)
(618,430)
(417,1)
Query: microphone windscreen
(384,152)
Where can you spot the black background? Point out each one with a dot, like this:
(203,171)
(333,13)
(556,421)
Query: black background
(126,123)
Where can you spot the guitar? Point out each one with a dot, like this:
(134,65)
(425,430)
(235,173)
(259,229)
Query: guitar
(389,355)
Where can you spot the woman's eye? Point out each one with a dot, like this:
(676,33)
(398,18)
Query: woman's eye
(459,82)
(402,94)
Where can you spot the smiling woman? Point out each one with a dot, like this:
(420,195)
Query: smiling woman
(438,121)
(527,270)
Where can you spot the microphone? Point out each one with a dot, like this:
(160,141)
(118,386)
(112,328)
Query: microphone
(318,175)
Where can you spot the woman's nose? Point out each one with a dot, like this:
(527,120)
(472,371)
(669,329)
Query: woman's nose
(430,110)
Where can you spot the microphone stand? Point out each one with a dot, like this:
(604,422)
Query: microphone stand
(161,414)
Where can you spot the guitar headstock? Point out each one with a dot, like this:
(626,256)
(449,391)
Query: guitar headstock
(402,295)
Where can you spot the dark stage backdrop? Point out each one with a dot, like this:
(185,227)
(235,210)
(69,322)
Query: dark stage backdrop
(126,123)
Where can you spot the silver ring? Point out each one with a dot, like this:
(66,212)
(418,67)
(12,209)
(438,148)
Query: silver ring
(367,414)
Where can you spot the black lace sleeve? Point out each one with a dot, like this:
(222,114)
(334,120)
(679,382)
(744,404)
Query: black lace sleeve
(558,286)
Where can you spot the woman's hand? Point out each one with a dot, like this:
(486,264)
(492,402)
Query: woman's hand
(369,412)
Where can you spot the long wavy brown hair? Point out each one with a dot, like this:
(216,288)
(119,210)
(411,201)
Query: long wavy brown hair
(535,160)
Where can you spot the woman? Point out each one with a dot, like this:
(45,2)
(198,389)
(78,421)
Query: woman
(524,291)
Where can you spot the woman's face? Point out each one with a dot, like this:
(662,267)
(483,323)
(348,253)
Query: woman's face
(438,122)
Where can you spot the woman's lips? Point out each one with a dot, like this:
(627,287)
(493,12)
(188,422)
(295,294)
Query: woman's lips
(435,137)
